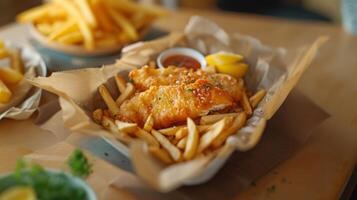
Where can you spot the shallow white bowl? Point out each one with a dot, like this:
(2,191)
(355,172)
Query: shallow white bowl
(181,51)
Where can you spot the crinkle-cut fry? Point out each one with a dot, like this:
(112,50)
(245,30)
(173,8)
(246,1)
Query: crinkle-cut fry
(245,104)
(140,133)
(71,38)
(70,7)
(237,123)
(87,12)
(192,140)
(109,101)
(149,123)
(181,144)
(216,129)
(166,144)
(69,26)
(181,133)
(161,154)
(98,115)
(108,123)
(121,83)
(16,61)
(102,16)
(5,93)
(123,23)
(132,7)
(129,90)
(257,97)
(10,76)
(35,13)
(210,119)
(126,127)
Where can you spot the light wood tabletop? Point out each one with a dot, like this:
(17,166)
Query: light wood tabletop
(322,167)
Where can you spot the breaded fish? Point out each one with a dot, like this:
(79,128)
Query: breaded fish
(146,77)
(172,104)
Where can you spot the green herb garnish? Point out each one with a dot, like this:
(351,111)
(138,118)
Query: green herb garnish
(79,164)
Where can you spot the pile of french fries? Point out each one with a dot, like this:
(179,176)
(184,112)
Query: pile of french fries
(178,143)
(91,23)
(9,75)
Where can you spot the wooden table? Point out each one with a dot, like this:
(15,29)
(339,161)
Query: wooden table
(322,167)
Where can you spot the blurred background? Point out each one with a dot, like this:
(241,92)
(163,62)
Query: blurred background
(322,10)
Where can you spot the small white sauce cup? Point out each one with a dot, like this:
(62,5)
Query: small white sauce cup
(181,51)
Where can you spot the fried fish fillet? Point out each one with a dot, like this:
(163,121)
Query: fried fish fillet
(172,104)
(147,76)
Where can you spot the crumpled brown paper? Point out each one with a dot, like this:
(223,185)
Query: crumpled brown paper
(24,101)
(276,70)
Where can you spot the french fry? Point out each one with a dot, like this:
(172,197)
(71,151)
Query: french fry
(70,7)
(257,97)
(106,42)
(10,76)
(16,61)
(126,127)
(103,18)
(161,154)
(192,140)
(149,123)
(238,123)
(3,53)
(71,38)
(87,13)
(131,7)
(181,133)
(207,138)
(33,14)
(166,144)
(121,83)
(181,144)
(98,115)
(5,93)
(113,107)
(109,124)
(245,104)
(123,23)
(44,28)
(129,90)
(210,119)
(140,133)
(68,27)
(170,131)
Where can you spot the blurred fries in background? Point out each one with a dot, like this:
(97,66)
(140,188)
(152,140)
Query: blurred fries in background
(91,23)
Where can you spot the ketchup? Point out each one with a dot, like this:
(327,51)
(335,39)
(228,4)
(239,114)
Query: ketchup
(181,61)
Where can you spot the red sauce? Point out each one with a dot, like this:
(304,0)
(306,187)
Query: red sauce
(181,61)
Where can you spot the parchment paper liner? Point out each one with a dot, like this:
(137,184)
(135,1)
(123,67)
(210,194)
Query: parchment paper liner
(274,69)
(25,99)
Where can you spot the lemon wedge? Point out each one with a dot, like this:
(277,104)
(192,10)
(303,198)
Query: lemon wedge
(236,70)
(18,193)
(223,58)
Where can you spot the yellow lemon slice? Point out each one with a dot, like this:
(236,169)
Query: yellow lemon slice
(18,193)
(236,70)
(223,58)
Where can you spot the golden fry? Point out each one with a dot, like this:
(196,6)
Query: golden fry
(170,131)
(104,20)
(210,119)
(71,38)
(238,123)
(44,28)
(181,133)
(5,93)
(192,140)
(125,126)
(10,76)
(121,83)
(129,90)
(161,154)
(70,7)
(34,14)
(109,124)
(140,133)
(87,12)
(257,97)
(68,27)
(181,144)
(166,144)
(16,61)
(123,23)
(207,138)
(149,123)
(245,104)
(113,107)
